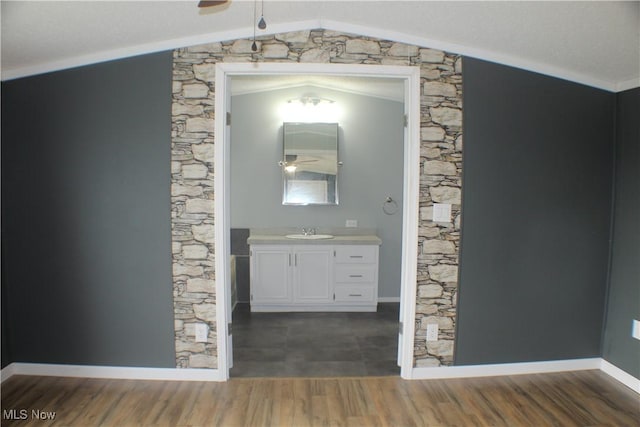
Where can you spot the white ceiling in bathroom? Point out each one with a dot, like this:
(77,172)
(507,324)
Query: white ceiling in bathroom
(592,42)
(386,88)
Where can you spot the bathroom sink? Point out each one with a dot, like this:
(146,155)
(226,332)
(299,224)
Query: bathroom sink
(309,236)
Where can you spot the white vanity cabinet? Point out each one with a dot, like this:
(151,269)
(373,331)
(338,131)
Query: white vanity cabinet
(287,276)
(298,277)
(356,274)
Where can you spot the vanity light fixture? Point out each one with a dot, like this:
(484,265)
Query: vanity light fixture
(311,100)
(310,108)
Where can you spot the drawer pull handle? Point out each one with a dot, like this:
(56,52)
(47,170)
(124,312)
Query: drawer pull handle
(355,275)
(355,256)
(355,295)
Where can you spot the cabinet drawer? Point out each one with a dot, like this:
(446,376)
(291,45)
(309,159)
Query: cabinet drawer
(355,273)
(354,293)
(356,254)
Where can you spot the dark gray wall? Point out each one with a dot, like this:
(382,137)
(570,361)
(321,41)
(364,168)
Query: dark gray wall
(86,228)
(619,347)
(538,158)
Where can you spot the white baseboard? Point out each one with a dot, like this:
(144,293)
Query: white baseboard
(112,372)
(175,374)
(470,371)
(7,372)
(618,374)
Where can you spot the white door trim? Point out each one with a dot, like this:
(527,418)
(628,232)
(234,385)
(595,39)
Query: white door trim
(410,220)
(411,75)
(221,226)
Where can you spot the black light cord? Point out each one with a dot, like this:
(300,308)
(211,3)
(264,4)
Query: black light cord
(254,46)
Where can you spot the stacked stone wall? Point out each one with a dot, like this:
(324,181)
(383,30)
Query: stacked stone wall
(192,192)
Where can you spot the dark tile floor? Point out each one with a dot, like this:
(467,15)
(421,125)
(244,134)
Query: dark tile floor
(315,344)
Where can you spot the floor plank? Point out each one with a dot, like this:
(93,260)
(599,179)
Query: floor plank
(584,398)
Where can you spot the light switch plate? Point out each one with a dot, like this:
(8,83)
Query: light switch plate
(441,212)
(202,331)
(352,223)
(635,329)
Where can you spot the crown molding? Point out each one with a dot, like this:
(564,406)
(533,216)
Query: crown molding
(246,32)
(483,54)
(628,84)
(142,49)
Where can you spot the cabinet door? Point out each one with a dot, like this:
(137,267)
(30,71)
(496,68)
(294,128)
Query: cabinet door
(271,274)
(313,275)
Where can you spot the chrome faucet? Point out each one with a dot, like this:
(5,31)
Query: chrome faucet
(309,231)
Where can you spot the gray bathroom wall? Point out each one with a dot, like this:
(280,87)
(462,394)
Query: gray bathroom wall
(86,233)
(619,347)
(538,158)
(371,139)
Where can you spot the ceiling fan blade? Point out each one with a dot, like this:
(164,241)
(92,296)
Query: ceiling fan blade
(205,3)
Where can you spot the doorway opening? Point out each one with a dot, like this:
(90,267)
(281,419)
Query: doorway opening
(391,311)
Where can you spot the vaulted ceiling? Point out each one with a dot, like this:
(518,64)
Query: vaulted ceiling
(595,43)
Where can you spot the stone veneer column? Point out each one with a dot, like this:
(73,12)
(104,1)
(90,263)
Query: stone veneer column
(192,174)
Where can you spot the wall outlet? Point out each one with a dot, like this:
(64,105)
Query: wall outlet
(202,332)
(432,332)
(635,329)
(351,223)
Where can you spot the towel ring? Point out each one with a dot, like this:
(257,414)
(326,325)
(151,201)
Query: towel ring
(390,206)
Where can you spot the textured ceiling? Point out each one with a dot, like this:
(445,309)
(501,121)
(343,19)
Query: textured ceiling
(596,43)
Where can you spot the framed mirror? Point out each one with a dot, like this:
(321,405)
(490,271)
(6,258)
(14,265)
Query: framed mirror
(310,164)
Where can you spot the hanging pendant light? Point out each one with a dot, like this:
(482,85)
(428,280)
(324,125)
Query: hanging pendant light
(254,46)
(262,24)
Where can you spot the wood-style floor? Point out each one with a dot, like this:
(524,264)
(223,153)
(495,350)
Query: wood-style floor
(585,398)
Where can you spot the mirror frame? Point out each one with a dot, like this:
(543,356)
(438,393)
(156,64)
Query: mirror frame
(285,180)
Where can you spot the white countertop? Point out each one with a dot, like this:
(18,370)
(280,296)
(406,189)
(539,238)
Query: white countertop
(267,237)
